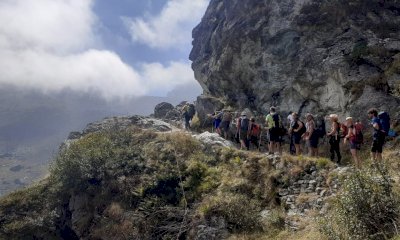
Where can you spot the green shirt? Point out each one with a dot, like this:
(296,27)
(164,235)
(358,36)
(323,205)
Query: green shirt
(270,121)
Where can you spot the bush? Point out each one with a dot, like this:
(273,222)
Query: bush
(367,207)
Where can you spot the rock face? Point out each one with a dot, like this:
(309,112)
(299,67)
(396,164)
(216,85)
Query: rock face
(300,55)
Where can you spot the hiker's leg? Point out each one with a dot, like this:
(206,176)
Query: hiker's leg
(379,152)
(297,146)
(373,156)
(376,150)
(353,154)
(337,148)
(332,150)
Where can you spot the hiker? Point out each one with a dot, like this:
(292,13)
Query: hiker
(226,121)
(334,139)
(191,111)
(243,126)
(186,115)
(217,118)
(355,140)
(296,130)
(255,131)
(274,126)
(290,120)
(311,135)
(378,136)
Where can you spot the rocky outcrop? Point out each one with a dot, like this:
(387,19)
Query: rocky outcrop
(300,55)
(118,123)
(161,109)
(123,122)
(213,140)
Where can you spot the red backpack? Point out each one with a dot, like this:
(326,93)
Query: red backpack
(359,137)
(255,130)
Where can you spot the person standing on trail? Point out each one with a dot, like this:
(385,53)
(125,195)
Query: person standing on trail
(186,116)
(334,139)
(226,121)
(290,122)
(274,126)
(378,136)
(255,132)
(311,135)
(296,130)
(243,127)
(217,116)
(354,138)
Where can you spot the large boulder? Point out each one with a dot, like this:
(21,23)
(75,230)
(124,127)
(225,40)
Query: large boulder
(300,55)
(161,109)
(213,140)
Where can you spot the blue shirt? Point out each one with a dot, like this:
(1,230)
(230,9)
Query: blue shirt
(377,132)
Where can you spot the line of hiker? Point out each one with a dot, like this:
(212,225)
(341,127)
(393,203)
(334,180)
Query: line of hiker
(312,131)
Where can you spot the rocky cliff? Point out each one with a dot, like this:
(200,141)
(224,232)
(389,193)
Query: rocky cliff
(300,55)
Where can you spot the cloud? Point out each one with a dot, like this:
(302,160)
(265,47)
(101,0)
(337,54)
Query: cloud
(50,45)
(53,25)
(172,28)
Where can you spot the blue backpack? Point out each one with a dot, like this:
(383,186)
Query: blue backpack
(384,121)
(244,124)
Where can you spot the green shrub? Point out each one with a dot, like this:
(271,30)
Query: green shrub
(366,208)
(322,163)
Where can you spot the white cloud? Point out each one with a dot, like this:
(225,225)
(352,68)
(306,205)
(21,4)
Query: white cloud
(52,25)
(50,45)
(172,28)
(167,78)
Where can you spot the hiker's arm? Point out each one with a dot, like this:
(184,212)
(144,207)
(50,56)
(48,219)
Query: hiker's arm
(376,126)
(312,128)
(349,133)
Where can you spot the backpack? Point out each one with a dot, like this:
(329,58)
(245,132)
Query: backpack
(344,129)
(384,121)
(191,110)
(277,120)
(359,137)
(255,129)
(244,124)
(320,129)
(227,116)
(303,129)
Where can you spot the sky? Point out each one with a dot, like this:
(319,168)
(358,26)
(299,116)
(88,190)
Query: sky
(118,49)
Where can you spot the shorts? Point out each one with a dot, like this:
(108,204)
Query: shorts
(217,122)
(377,146)
(225,125)
(314,141)
(296,138)
(354,145)
(274,135)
